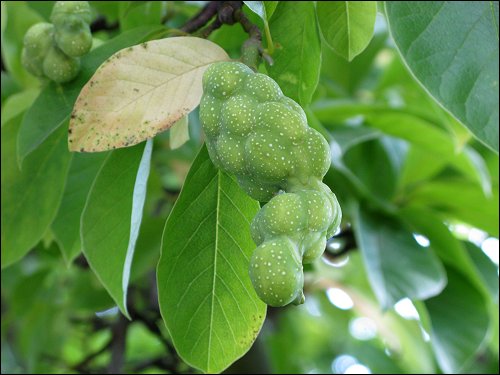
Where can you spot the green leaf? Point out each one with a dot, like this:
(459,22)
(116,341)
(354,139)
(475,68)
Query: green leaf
(355,75)
(179,133)
(30,198)
(398,123)
(461,200)
(486,269)
(449,249)
(452,50)
(43,8)
(3,22)
(18,103)
(55,103)
(396,264)
(270,8)
(475,167)
(140,13)
(20,17)
(347,26)
(459,320)
(260,8)
(297,62)
(112,216)
(206,297)
(380,179)
(66,225)
(9,86)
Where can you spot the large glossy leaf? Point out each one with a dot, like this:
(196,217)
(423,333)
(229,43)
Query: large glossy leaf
(347,26)
(206,298)
(112,216)
(396,264)
(55,103)
(297,60)
(451,47)
(66,225)
(459,320)
(30,198)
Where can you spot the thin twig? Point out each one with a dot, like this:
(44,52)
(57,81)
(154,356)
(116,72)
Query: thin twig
(202,18)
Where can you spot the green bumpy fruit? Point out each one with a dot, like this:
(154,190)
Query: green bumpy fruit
(262,137)
(276,272)
(64,9)
(59,67)
(305,216)
(37,43)
(72,31)
(74,43)
(51,50)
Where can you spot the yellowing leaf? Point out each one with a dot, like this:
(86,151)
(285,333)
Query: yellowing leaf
(139,92)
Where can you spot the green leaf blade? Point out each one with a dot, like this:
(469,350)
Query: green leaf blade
(459,320)
(397,266)
(112,216)
(66,225)
(205,294)
(452,50)
(347,26)
(297,62)
(25,215)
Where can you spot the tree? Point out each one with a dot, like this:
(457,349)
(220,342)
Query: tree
(126,242)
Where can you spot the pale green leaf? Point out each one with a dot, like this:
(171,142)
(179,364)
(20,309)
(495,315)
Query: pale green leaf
(206,297)
(347,26)
(112,216)
(451,47)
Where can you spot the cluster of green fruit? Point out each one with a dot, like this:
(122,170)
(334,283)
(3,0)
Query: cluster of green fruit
(261,136)
(53,50)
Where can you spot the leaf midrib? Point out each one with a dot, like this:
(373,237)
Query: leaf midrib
(348,27)
(215,267)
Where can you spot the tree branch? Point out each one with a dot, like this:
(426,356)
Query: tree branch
(119,336)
